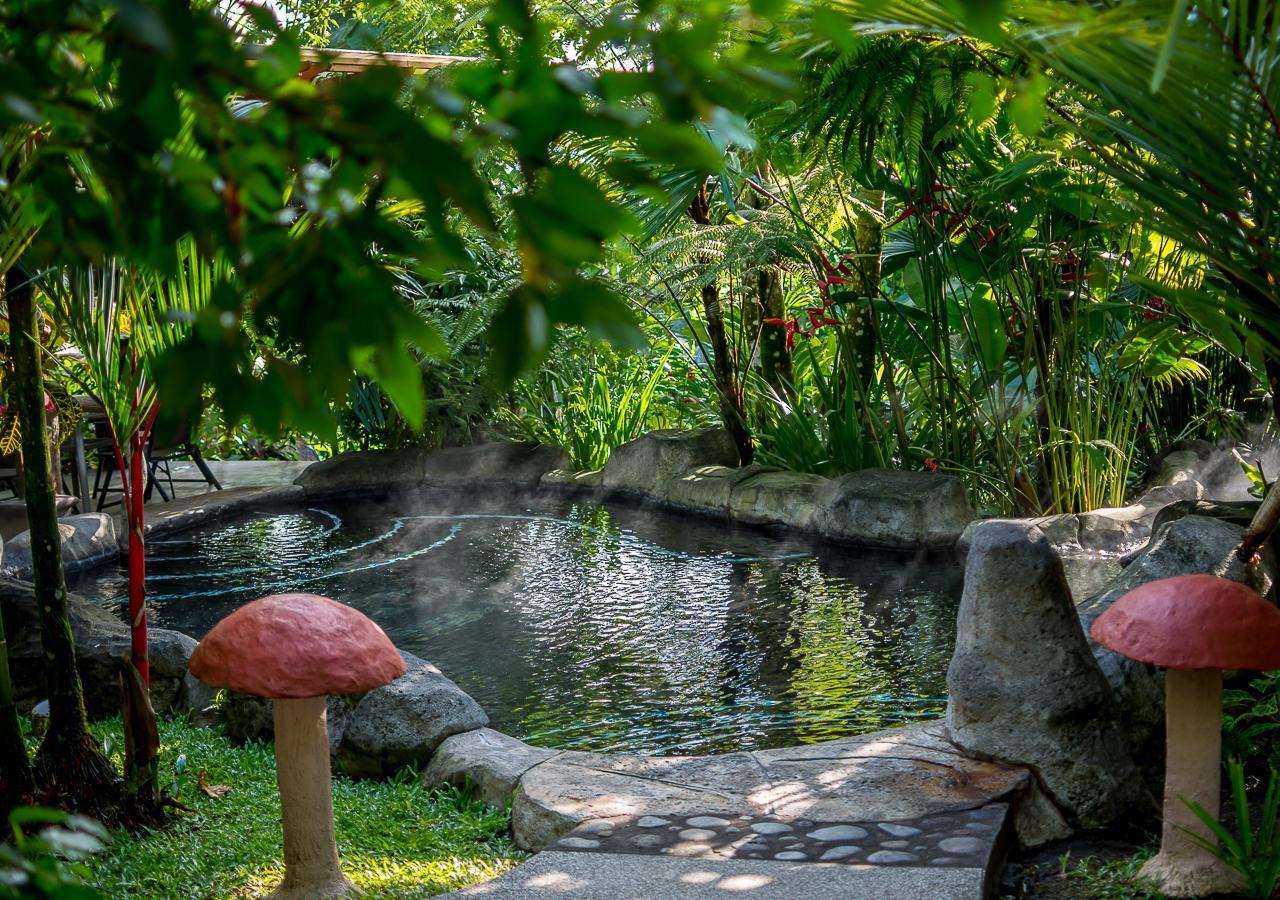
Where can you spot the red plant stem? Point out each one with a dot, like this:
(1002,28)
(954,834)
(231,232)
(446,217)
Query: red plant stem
(137,561)
(133,483)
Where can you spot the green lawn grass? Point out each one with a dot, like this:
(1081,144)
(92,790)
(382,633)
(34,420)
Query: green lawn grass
(396,838)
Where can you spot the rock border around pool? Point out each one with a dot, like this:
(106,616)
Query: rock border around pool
(686,470)
(96,538)
(691,470)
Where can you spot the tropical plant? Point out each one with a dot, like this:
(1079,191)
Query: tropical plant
(1253,851)
(590,412)
(123,320)
(1251,723)
(816,427)
(1177,103)
(47,863)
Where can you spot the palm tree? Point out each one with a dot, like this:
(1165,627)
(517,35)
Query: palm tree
(1181,105)
(123,321)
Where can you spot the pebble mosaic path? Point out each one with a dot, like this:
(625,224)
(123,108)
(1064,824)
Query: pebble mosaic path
(966,839)
(899,814)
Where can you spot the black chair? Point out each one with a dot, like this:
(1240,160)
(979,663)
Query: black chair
(159,454)
(102,447)
(162,452)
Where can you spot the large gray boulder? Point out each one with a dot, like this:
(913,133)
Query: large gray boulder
(491,762)
(405,721)
(769,497)
(102,641)
(520,464)
(515,463)
(1187,546)
(1236,512)
(706,488)
(87,541)
(643,465)
(376,734)
(1024,687)
(884,508)
(363,470)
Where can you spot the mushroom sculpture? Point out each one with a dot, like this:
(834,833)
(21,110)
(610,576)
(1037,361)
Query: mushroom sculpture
(298,649)
(1194,626)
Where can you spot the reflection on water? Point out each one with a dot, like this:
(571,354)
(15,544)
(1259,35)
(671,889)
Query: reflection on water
(598,627)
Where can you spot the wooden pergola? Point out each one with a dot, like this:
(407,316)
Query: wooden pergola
(317,60)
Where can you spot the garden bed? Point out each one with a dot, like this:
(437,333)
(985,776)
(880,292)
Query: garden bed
(397,838)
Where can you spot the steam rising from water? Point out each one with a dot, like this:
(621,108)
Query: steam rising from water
(610,628)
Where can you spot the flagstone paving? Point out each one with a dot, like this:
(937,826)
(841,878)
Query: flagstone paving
(903,805)
(618,876)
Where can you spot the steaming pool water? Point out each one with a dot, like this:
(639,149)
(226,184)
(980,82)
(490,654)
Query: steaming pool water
(602,627)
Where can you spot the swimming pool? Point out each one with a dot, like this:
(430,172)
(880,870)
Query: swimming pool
(596,626)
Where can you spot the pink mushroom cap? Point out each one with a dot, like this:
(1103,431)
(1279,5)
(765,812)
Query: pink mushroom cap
(292,646)
(1192,623)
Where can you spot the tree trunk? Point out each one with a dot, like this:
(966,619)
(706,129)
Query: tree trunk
(70,768)
(732,411)
(775,358)
(15,767)
(857,336)
(732,408)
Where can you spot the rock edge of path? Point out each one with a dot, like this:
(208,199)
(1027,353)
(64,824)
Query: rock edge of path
(902,773)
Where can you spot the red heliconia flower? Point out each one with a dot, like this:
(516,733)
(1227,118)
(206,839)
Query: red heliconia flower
(1070,266)
(992,234)
(818,319)
(931,464)
(1144,428)
(1156,307)
(908,210)
(791,326)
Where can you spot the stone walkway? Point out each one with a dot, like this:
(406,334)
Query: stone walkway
(612,876)
(900,808)
(231,473)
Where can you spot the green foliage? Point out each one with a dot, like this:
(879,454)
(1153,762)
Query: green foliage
(46,855)
(1178,109)
(591,410)
(396,838)
(1251,720)
(293,185)
(1112,880)
(1254,851)
(820,425)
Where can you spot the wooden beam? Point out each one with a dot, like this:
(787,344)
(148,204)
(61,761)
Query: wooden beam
(320,59)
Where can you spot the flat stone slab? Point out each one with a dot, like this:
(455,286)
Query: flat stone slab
(971,838)
(899,774)
(620,876)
